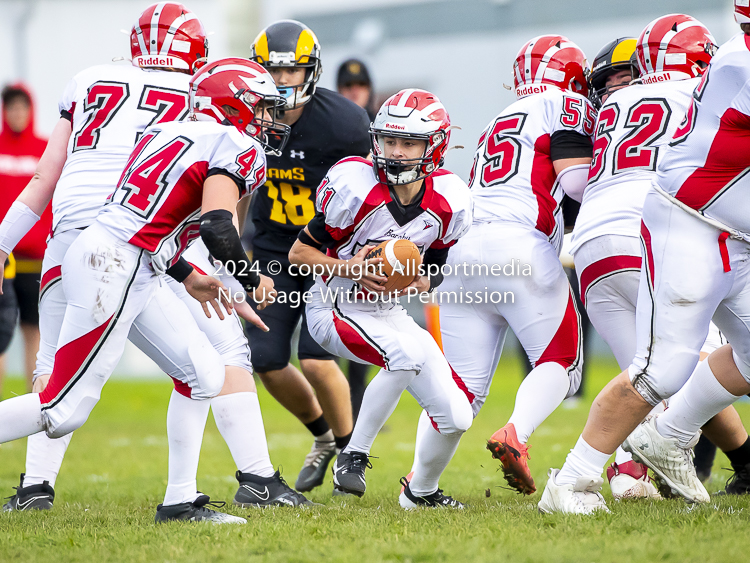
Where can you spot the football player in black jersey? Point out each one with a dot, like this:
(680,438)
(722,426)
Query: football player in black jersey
(326,127)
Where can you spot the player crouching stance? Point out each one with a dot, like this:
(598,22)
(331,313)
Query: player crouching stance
(402,194)
(696,213)
(182,179)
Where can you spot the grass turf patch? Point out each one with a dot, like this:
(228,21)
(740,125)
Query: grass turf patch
(115,472)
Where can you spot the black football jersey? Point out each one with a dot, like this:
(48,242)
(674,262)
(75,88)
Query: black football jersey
(329,129)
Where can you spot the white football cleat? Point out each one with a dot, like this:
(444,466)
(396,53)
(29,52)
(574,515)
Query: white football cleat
(581,498)
(671,462)
(630,480)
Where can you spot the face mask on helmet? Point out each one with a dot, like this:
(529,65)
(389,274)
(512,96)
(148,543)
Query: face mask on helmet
(270,132)
(289,44)
(399,171)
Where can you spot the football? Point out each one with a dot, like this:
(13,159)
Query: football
(401,261)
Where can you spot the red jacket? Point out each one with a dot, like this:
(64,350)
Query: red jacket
(19,155)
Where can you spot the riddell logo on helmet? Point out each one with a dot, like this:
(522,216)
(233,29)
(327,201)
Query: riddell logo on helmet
(394,126)
(530,89)
(653,78)
(155,61)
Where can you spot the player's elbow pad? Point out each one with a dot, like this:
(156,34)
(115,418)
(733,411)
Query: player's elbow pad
(573,180)
(222,241)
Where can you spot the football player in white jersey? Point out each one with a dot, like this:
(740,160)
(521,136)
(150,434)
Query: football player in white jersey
(533,152)
(179,46)
(634,126)
(402,194)
(198,369)
(695,216)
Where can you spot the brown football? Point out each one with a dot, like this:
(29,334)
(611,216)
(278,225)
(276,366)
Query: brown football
(401,261)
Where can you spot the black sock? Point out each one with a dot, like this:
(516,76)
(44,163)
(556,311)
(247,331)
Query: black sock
(343,441)
(318,427)
(741,456)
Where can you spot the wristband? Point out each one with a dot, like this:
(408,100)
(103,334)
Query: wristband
(18,221)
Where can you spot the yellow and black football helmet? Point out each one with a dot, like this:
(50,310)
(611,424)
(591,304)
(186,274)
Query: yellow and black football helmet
(615,56)
(289,43)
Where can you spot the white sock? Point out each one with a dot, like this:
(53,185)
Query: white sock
(538,396)
(700,399)
(433,453)
(20,417)
(44,456)
(423,426)
(240,422)
(621,456)
(186,421)
(582,461)
(380,400)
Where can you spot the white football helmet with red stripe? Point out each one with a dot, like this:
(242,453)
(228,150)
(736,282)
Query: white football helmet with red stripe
(412,114)
(742,11)
(674,47)
(168,35)
(550,60)
(241,93)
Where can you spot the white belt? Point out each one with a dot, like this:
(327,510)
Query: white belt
(733,233)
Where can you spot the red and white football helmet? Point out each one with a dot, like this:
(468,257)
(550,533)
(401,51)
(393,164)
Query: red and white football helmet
(168,35)
(410,114)
(232,92)
(550,60)
(674,47)
(742,11)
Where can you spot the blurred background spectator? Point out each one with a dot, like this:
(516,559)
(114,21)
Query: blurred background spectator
(20,149)
(354,83)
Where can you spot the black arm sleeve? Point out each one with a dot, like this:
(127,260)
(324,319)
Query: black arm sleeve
(180,271)
(317,228)
(438,257)
(65,114)
(570,144)
(223,242)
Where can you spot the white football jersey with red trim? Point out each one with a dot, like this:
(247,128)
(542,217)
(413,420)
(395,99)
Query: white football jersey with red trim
(109,106)
(708,162)
(360,211)
(512,178)
(633,130)
(157,204)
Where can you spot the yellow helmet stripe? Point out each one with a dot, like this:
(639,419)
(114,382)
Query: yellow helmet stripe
(623,51)
(260,47)
(305,46)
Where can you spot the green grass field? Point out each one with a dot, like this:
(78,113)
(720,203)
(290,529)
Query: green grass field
(115,475)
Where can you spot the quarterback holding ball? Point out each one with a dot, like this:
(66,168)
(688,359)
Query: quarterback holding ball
(402,194)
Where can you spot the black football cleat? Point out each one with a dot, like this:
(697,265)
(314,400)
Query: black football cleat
(409,500)
(739,483)
(349,473)
(259,492)
(33,497)
(196,511)
(313,472)
(705,453)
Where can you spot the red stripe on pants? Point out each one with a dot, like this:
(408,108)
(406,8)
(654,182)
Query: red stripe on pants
(356,344)
(608,265)
(48,276)
(182,388)
(462,385)
(646,236)
(563,348)
(69,359)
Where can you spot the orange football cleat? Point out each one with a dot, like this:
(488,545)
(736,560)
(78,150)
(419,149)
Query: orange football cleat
(514,456)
